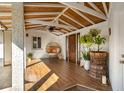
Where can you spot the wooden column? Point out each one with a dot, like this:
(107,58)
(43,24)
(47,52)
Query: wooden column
(17,46)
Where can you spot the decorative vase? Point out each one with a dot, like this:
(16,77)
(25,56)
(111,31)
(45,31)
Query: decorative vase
(87,65)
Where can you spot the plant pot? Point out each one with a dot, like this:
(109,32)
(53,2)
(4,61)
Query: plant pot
(86,64)
(81,62)
(95,56)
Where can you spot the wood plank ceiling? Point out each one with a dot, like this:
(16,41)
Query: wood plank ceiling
(66,17)
(5,15)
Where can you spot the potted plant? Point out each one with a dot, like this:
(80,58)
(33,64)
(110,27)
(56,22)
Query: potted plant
(97,40)
(29,55)
(86,42)
(86,58)
(98,58)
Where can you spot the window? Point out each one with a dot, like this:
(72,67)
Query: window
(36,42)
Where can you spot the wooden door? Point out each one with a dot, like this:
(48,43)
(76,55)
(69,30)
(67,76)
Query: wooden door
(72,48)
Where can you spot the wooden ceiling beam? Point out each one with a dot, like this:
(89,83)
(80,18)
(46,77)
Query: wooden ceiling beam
(64,30)
(5,17)
(7,24)
(45,5)
(85,9)
(42,13)
(2,26)
(67,24)
(33,27)
(5,8)
(28,24)
(61,14)
(67,30)
(95,7)
(40,18)
(28,9)
(83,16)
(86,28)
(49,24)
(73,20)
(105,8)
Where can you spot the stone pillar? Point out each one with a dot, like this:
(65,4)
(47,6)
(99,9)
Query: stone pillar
(17,46)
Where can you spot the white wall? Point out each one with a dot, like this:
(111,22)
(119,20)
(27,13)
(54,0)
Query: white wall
(1,49)
(8,46)
(46,37)
(116,46)
(5,47)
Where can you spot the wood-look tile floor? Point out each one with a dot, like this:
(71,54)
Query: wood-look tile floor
(58,75)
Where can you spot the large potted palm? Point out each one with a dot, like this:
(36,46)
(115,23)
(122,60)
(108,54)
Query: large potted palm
(86,42)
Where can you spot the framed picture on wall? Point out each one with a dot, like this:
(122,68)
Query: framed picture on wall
(36,43)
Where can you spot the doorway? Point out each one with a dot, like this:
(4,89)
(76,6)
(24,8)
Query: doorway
(72,48)
(5,59)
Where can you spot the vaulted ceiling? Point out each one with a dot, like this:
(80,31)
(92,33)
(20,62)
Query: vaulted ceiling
(65,16)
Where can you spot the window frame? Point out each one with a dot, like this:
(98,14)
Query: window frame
(37,42)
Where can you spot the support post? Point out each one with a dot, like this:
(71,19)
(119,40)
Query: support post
(17,46)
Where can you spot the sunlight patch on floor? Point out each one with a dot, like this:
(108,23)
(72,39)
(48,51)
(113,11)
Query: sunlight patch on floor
(49,82)
(37,70)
